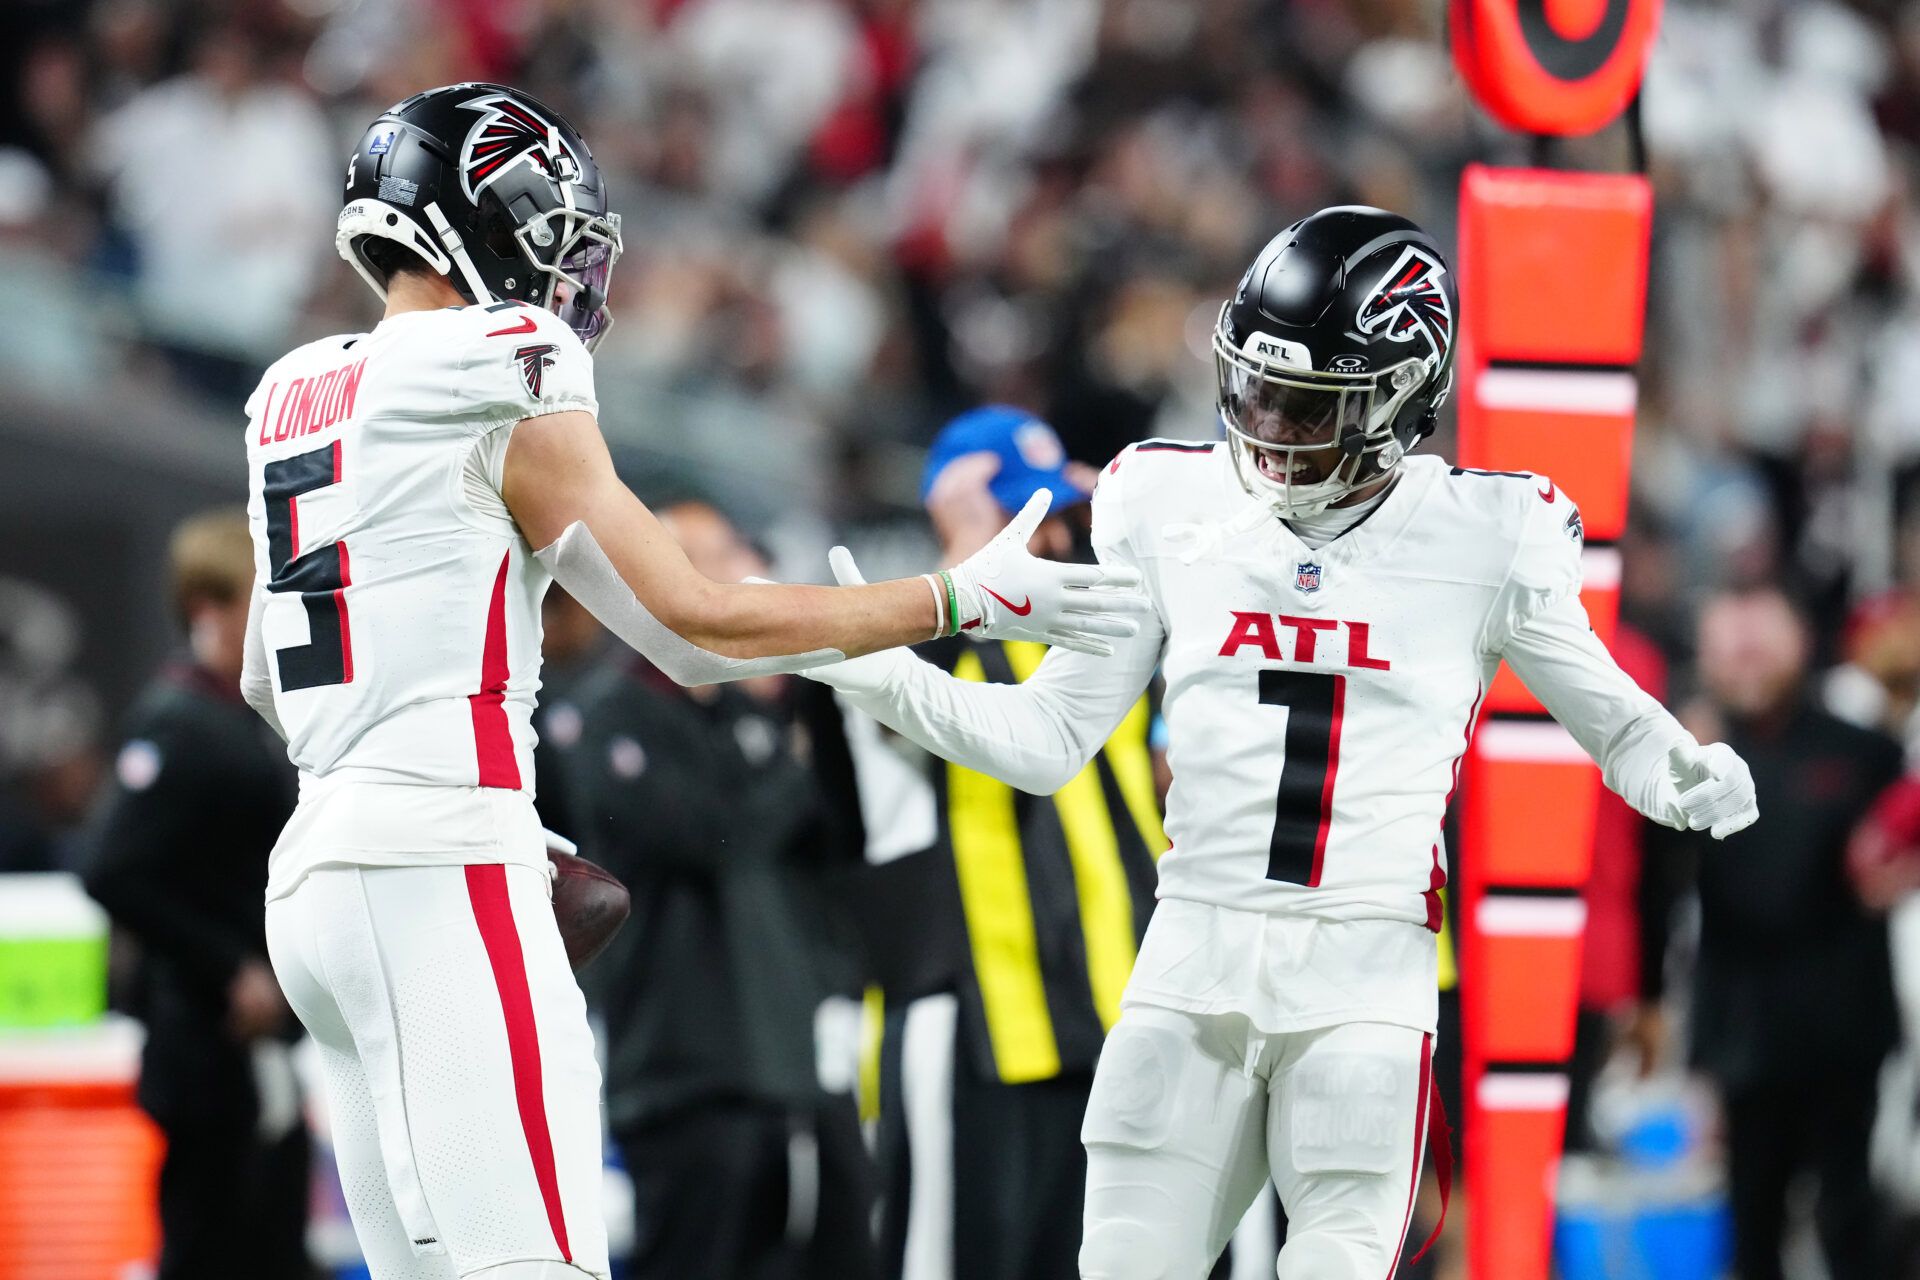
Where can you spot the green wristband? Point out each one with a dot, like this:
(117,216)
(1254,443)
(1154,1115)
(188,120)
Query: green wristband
(953,604)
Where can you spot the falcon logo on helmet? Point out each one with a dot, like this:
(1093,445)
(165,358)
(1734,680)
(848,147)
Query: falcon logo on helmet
(1408,301)
(534,363)
(507,134)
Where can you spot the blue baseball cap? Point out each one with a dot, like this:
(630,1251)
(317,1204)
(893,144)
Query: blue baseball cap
(1031,456)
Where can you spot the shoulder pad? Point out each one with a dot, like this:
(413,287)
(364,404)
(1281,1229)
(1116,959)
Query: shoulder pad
(523,361)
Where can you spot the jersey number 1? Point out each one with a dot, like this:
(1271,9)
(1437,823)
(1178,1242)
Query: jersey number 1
(1303,809)
(320,574)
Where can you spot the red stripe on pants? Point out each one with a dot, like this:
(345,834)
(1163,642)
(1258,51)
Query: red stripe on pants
(487,888)
(492,739)
(1419,1146)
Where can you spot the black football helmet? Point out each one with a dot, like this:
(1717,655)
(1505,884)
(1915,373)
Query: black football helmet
(1334,356)
(494,191)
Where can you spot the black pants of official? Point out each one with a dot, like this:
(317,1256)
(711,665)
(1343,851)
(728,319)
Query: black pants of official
(715,1195)
(231,1205)
(1776,1133)
(1020,1176)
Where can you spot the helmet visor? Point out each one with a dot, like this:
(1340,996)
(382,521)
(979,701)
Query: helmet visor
(1265,406)
(1304,438)
(580,266)
(580,296)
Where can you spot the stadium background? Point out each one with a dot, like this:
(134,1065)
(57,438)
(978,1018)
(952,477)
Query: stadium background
(846,221)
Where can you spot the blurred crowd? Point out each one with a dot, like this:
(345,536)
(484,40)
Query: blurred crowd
(847,220)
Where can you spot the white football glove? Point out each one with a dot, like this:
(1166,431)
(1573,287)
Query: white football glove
(1004,592)
(1714,788)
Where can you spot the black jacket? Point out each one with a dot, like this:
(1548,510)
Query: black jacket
(177,855)
(701,807)
(1794,978)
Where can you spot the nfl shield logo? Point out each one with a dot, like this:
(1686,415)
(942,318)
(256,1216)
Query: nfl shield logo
(1306,578)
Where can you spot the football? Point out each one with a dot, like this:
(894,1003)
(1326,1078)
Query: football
(589,904)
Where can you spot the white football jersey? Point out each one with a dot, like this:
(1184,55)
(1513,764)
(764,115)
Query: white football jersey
(1318,702)
(402,617)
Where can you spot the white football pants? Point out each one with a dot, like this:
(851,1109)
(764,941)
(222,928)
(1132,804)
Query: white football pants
(460,1069)
(1192,1113)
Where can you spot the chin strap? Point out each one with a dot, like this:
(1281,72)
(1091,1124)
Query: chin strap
(456,250)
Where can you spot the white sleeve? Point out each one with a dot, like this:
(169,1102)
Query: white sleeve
(1620,725)
(256,681)
(1545,569)
(1035,735)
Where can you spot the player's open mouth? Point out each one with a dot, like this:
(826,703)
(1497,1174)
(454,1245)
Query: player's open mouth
(1275,468)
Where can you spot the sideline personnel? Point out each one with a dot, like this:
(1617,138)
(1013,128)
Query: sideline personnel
(178,857)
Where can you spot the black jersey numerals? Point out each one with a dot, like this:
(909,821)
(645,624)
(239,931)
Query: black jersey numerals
(1303,807)
(320,574)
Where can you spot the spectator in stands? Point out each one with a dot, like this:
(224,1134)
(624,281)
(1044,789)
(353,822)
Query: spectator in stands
(179,859)
(225,181)
(49,749)
(1793,1003)
(743,1168)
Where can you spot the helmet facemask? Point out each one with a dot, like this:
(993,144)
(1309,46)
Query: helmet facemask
(576,252)
(1303,439)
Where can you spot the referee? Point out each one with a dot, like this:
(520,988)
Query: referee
(1023,917)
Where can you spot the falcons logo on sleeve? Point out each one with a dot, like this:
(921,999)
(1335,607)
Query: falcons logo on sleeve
(508,134)
(534,363)
(1409,301)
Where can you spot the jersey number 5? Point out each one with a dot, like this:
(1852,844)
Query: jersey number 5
(320,574)
(1303,809)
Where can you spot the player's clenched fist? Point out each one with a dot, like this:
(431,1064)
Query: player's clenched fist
(1714,789)
(1005,592)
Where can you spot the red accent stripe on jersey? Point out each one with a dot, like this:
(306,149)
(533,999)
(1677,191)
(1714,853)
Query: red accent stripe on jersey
(1437,879)
(1419,1146)
(492,911)
(492,739)
(340,603)
(293,507)
(1326,787)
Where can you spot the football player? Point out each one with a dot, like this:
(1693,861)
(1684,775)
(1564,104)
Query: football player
(1328,614)
(413,490)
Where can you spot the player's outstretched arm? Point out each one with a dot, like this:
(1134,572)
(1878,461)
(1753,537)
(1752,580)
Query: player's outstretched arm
(604,546)
(1035,735)
(1643,752)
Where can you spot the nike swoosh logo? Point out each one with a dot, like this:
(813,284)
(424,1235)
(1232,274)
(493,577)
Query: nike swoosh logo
(1546,494)
(1020,610)
(526,325)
